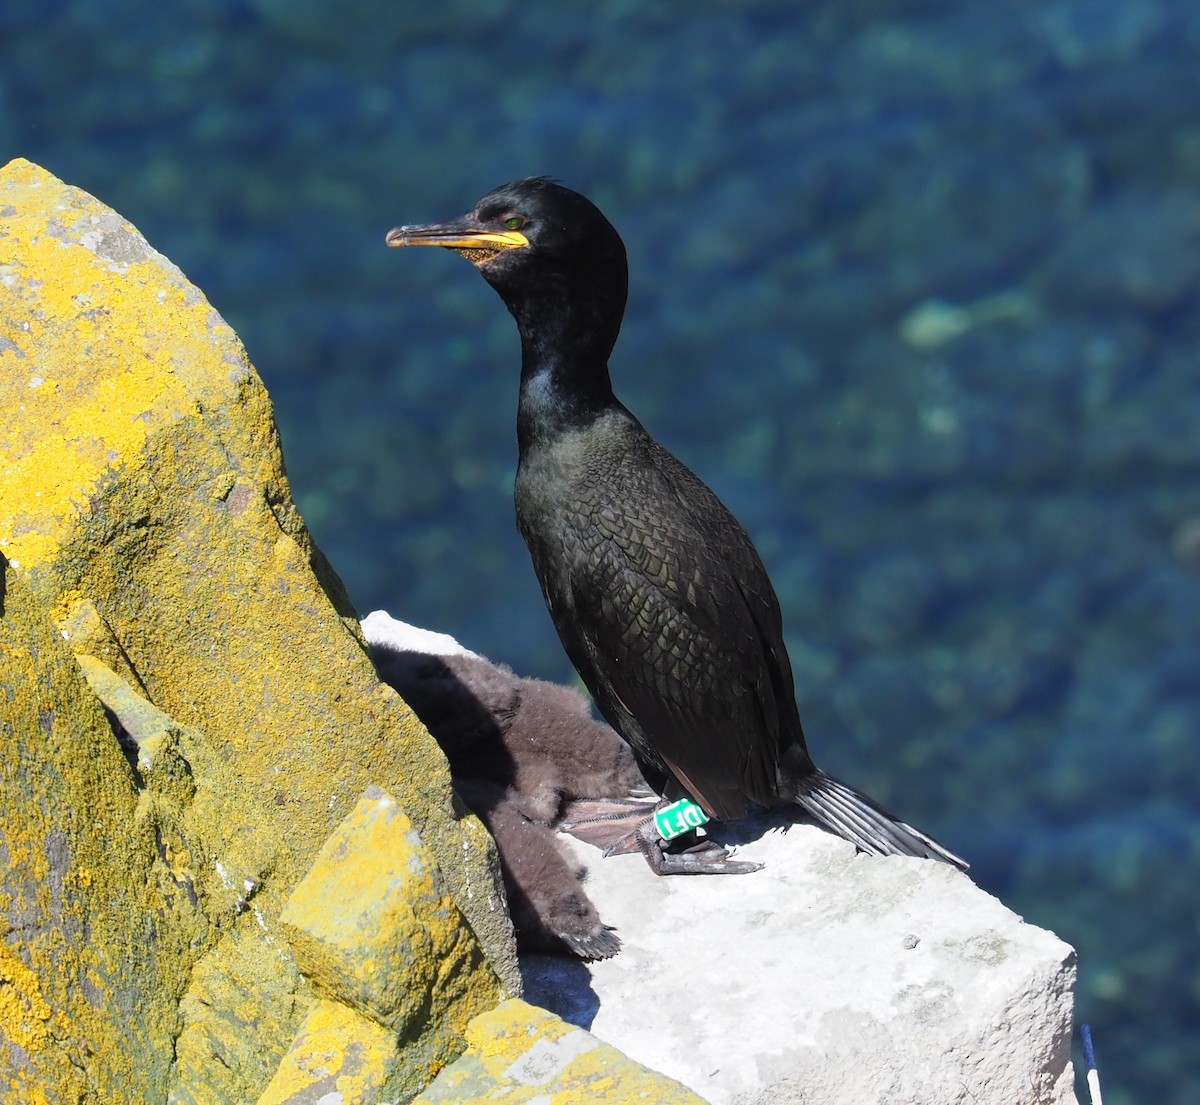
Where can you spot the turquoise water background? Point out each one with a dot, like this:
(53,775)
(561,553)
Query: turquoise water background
(915,287)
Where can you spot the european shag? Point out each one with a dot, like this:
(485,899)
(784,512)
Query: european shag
(525,755)
(658,594)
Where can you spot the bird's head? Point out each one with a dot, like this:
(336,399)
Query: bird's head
(541,246)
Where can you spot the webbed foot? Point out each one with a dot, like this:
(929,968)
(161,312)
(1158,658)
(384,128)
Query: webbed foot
(609,823)
(601,943)
(689,854)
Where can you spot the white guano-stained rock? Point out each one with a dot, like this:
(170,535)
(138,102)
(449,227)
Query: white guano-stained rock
(828,978)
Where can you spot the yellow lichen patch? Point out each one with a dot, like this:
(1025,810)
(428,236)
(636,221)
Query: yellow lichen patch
(70,605)
(338,1055)
(98,338)
(69,959)
(519,1054)
(373,925)
(24,1013)
(242,1008)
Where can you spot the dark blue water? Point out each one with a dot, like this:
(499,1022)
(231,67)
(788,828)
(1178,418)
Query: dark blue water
(914,286)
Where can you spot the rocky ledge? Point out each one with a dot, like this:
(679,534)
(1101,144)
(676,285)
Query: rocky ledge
(233,866)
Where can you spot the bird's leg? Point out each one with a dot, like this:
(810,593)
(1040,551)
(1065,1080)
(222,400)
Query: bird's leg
(624,825)
(687,853)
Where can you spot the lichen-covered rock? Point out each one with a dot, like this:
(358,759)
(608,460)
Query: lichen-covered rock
(373,927)
(519,1055)
(338,1051)
(93,942)
(146,512)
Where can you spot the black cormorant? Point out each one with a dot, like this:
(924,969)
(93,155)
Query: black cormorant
(658,594)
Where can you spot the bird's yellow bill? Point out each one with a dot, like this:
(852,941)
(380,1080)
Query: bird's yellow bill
(453,236)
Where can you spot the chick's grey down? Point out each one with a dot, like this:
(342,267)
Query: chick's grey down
(658,594)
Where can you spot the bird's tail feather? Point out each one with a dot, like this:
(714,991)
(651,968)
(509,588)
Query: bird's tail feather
(865,822)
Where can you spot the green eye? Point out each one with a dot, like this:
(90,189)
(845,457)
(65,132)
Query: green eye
(514,223)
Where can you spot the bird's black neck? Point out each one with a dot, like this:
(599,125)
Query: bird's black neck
(553,402)
(566,339)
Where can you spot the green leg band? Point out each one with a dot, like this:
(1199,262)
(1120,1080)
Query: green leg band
(678,818)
